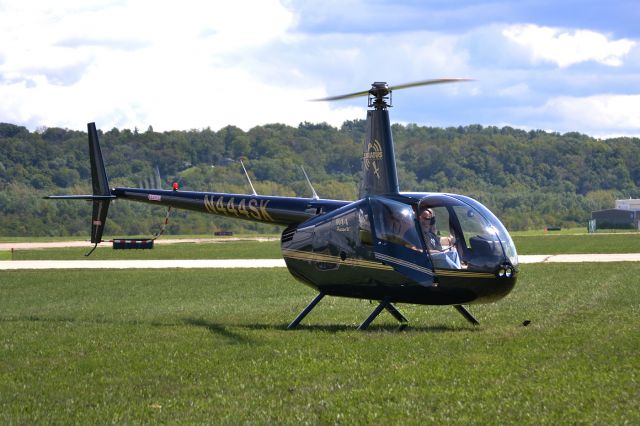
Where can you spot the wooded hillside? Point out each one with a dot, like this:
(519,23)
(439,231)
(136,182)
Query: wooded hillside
(529,179)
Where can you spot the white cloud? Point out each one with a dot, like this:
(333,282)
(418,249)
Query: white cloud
(134,63)
(598,112)
(516,90)
(598,115)
(129,64)
(566,48)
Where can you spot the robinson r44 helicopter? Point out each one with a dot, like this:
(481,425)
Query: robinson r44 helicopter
(388,246)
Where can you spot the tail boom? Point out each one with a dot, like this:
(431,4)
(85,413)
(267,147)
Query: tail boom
(257,208)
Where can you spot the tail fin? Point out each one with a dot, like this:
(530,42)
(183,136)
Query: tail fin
(100,185)
(101,193)
(98,173)
(379,175)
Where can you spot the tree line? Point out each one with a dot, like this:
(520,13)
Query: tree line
(528,178)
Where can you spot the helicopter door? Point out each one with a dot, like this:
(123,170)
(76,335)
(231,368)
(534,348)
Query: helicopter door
(397,241)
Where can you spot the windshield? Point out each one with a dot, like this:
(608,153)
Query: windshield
(463,235)
(505,239)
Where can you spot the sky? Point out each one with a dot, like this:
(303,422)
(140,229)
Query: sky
(556,65)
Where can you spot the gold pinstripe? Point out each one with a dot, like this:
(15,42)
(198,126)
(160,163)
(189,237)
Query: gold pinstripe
(361,263)
(319,257)
(463,273)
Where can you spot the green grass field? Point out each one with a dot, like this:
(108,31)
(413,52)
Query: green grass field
(526,244)
(218,250)
(210,346)
(586,243)
(28,239)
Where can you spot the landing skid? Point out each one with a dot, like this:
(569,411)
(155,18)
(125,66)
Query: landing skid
(385,304)
(466,314)
(306,311)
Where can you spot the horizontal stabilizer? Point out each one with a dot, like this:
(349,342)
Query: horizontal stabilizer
(81,197)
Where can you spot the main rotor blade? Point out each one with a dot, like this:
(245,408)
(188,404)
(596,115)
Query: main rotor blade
(340,97)
(429,82)
(398,87)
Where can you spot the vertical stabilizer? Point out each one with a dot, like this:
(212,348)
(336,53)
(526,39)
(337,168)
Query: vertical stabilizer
(98,173)
(100,186)
(379,174)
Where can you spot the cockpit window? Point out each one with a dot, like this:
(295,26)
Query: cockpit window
(395,222)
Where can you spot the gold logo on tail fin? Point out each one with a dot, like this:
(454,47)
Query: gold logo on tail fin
(372,157)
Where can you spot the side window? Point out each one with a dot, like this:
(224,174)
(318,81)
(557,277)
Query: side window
(345,230)
(364,227)
(321,238)
(395,222)
(441,223)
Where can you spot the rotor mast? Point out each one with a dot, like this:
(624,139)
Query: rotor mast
(379,174)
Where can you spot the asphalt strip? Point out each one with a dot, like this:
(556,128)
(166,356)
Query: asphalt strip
(264,263)
(142,264)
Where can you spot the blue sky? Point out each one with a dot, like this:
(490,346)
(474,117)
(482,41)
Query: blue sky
(552,65)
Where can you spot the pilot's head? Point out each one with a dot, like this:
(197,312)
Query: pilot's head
(427,217)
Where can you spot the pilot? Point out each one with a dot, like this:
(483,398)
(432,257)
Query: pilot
(442,249)
(430,232)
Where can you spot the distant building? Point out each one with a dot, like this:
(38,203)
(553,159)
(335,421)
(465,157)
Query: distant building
(626,215)
(628,204)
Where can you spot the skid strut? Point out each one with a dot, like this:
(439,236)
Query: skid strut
(466,314)
(306,310)
(385,304)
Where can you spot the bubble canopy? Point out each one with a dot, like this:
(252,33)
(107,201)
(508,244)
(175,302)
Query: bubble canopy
(481,239)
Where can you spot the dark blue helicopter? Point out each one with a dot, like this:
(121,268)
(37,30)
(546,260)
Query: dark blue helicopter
(389,246)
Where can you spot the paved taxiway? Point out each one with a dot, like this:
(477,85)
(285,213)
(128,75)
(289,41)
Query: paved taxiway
(87,244)
(264,263)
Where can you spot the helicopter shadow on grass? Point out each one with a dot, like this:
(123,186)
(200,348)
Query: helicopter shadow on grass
(337,328)
(85,320)
(223,329)
(88,320)
(217,329)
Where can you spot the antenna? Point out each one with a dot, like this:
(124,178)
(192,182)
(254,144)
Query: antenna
(248,178)
(158,179)
(315,195)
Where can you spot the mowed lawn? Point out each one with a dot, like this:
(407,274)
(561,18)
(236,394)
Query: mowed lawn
(525,244)
(210,346)
(204,250)
(579,244)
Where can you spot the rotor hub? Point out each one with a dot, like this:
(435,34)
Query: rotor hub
(380,95)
